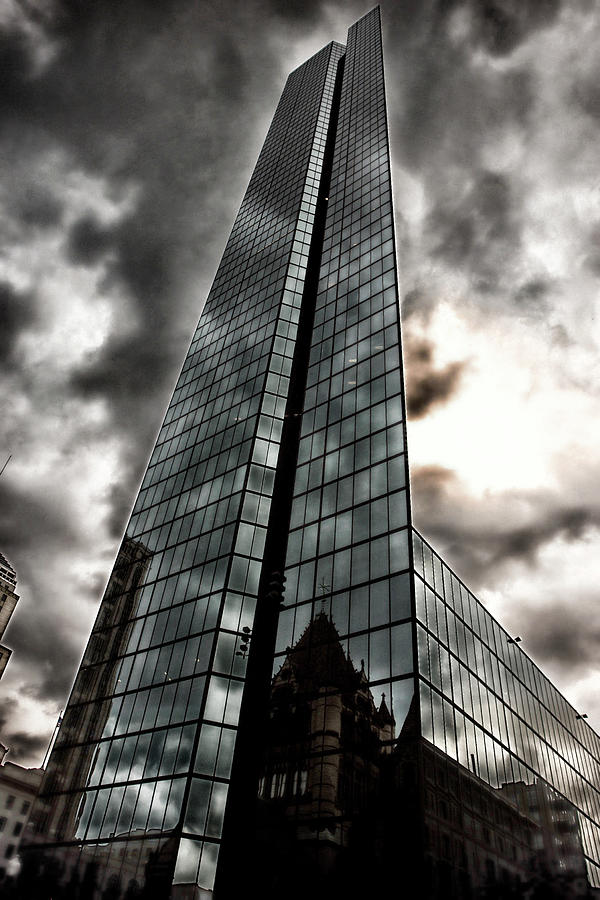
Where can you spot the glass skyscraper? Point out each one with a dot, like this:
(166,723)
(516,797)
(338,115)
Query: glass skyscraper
(286,690)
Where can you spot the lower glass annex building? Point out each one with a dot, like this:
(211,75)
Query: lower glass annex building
(372,725)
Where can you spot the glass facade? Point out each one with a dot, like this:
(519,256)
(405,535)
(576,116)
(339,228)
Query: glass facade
(371,719)
(488,707)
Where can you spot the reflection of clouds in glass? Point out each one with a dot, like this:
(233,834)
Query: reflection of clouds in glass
(188,857)
(197,806)
(186,742)
(125,820)
(216,811)
(112,812)
(153,758)
(98,763)
(216,699)
(114,708)
(397,697)
(158,804)
(234,701)
(504,765)
(402,652)
(113,759)
(171,747)
(358,650)
(125,761)
(84,813)
(223,700)
(207,750)
(144,802)
(174,805)
(208,866)
(140,756)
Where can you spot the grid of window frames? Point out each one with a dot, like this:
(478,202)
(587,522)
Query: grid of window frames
(348,543)
(487,705)
(148,736)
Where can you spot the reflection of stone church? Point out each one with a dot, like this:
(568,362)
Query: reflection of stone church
(327,745)
(348,808)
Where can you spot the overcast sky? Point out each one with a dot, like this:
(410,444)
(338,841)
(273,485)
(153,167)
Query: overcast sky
(129,132)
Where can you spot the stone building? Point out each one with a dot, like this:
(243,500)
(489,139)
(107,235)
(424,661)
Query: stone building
(18,790)
(8,601)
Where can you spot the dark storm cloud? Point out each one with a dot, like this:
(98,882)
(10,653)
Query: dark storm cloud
(417,302)
(432,480)
(483,539)
(502,25)
(447,111)
(145,266)
(568,634)
(523,543)
(48,653)
(88,241)
(25,519)
(17,313)
(52,655)
(39,208)
(141,263)
(297,11)
(428,387)
(533,291)
(432,389)
(23,745)
(15,70)
(7,709)
(531,297)
(586,94)
(445,107)
(133,371)
(499,26)
(32,530)
(592,258)
(479,232)
(121,372)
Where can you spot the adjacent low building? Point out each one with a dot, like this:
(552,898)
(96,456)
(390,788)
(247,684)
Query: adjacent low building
(18,790)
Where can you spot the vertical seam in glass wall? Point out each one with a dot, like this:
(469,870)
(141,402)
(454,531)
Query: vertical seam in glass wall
(340,159)
(409,526)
